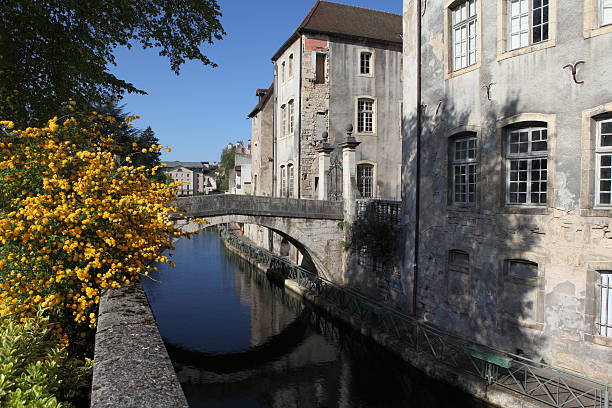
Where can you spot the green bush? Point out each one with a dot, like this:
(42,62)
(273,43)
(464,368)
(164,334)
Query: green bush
(34,371)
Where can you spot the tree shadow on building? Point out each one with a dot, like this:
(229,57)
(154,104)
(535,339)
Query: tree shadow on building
(480,272)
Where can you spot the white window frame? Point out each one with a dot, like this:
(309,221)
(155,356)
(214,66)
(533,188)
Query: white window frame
(529,156)
(290,180)
(603,311)
(600,152)
(283,73)
(362,129)
(290,115)
(283,120)
(464,32)
(370,64)
(602,8)
(361,179)
(290,66)
(528,14)
(468,163)
(283,183)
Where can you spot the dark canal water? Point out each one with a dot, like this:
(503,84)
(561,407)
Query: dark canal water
(237,340)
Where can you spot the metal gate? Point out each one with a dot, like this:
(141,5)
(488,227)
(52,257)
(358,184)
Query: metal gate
(334,179)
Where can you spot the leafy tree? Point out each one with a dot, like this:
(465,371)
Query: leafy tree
(228,162)
(55,50)
(114,122)
(73,222)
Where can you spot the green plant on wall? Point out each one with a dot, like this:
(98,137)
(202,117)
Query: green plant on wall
(379,237)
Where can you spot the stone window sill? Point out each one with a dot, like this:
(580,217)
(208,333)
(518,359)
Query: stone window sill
(365,134)
(594,32)
(524,323)
(596,212)
(454,74)
(526,50)
(529,210)
(463,208)
(600,340)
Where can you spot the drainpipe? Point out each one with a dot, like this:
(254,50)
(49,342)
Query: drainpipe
(299,166)
(417,207)
(274,147)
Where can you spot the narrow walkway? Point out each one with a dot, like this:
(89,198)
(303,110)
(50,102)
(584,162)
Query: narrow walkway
(417,341)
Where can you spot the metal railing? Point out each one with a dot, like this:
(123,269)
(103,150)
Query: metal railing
(547,384)
(385,210)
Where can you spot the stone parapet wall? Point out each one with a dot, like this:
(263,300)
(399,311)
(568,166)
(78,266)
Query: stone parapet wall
(131,364)
(224,204)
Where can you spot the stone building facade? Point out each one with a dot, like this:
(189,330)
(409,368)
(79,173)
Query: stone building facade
(196,177)
(341,67)
(514,239)
(262,149)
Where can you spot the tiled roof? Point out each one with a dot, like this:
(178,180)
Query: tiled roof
(350,21)
(189,165)
(268,93)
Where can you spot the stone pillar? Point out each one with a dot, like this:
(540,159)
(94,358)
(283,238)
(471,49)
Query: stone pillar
(323,151)
(349,174)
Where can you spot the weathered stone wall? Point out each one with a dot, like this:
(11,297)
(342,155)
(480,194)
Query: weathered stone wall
(287,89)
(262,141)
(315,99)
(382,148)
(131,364)
(550,316)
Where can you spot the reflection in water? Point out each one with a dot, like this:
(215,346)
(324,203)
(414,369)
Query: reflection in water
(237,340)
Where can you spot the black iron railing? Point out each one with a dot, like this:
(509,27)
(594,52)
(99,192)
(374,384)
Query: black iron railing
(547,384)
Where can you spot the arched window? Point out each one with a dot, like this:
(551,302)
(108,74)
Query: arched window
(283,120)
(290,119)
(290,180)
(603,164)
(365,180)
(464,168)
(283,177)
(527,165)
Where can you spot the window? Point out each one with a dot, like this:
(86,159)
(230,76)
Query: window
(283,186)
(290,121)
(365,61)
(365,115)
(527,166)
(604,311)
(283,120)
(521,269)
(291,180)
(365,180)
(464,162)
(458,260)
(364,256)
(528,22)
(283,72)
(606,12)
(320,68)
(464,35)
(290,65)
(603,163)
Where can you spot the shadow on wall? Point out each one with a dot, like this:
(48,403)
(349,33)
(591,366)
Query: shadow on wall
(480,274)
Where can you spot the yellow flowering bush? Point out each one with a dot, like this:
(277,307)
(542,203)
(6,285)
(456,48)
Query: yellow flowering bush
(74,221)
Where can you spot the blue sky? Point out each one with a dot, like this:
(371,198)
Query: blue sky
(198,112)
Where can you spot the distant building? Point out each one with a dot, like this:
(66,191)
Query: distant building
(197,177)
(240,178)
(262,151)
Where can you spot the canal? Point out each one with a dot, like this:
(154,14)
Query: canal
(238,340)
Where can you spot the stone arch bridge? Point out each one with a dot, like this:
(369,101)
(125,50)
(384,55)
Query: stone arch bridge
(312,226)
